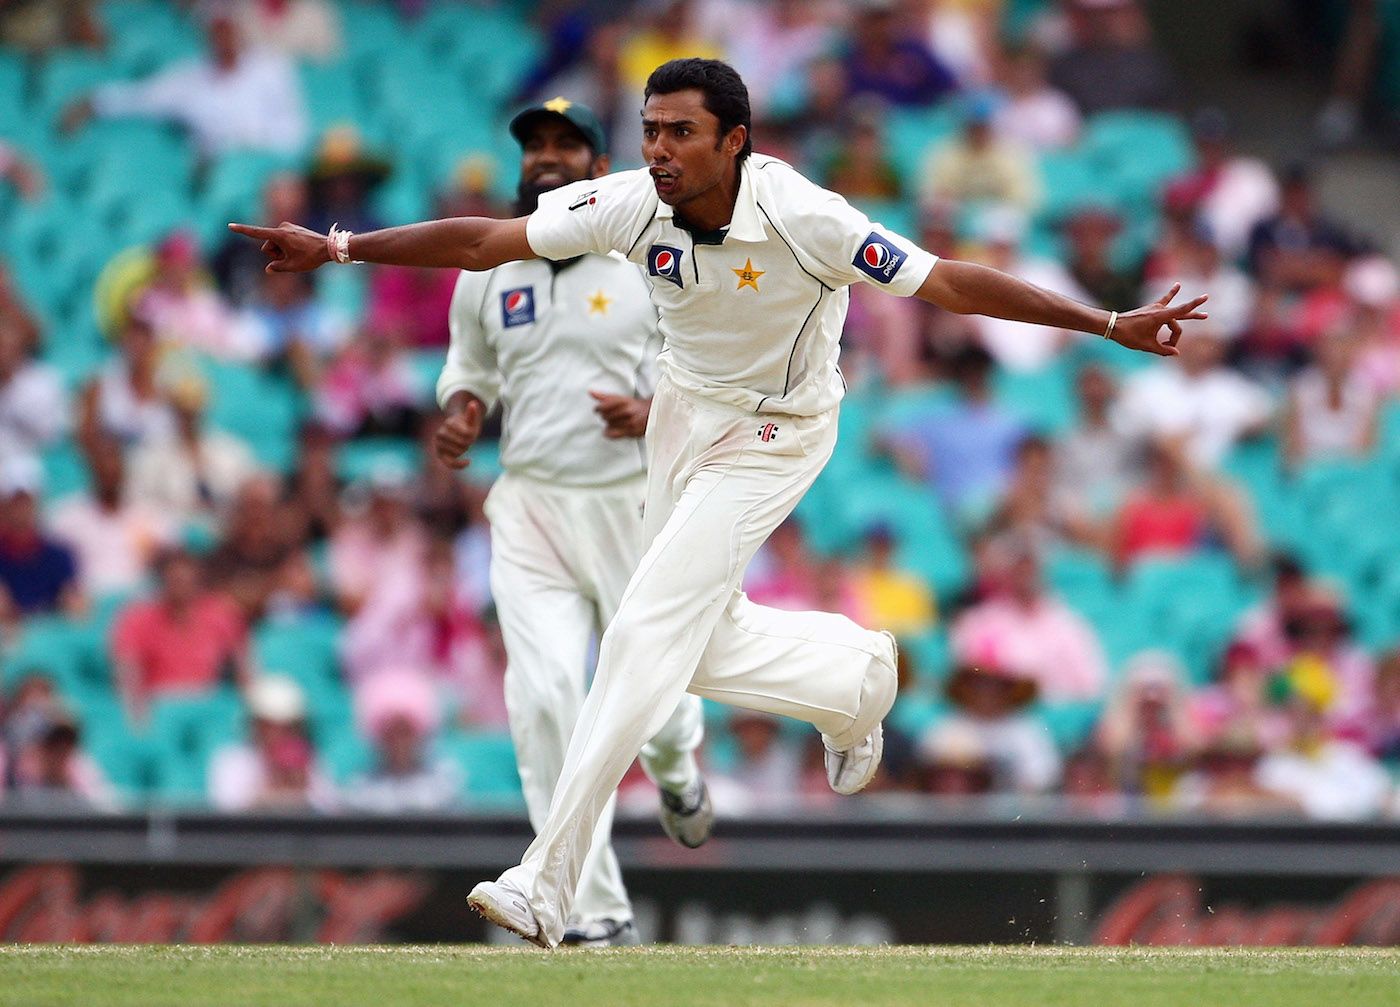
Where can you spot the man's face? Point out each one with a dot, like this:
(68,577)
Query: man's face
(683,148)
(555,153)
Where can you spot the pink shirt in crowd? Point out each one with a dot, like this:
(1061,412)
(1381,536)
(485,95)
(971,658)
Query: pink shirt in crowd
(173,654)
(1047,642)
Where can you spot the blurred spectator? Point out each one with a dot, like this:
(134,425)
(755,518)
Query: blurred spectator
(1112,62)
(1095,460)
(887,596)
(182,305)
(288,329)
(369,389)
(38,574)
(1229,193)
(239,264)
(1372,288)
(1195,399)
(34,410)
(417,617)
(113,537)
(767,769)
(315,484)
(990,725)
(398,711)
(183,639)
(1020,346)
(953,761)
(1225,781)
(26,176)
(342,177)
(297,28)
(1325,666)
(1241,702)
(975,165)
(276,770)
(860,168)
(886,60)
(124,401)
(1146,729)
(1028,629)
(1361,47)
(410,305)
(1037,506)
(377,537)
(966,450)
(664,30)
(1300,247)
(962,35)
(587,71)
(1383,736)
(1091,234)
(53,773)
(1332,410)
(15,314)
(194,474)
(1190,256)
(38,26)
(259,556)
(1089,785)
(783,573)
(772,43)
(1179,511)
(1326,777)
(1032,113)
(1264,628)
(233,98)
(442,500)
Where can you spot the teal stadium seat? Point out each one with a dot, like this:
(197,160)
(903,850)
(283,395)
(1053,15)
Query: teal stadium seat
(487,759)
(183,733)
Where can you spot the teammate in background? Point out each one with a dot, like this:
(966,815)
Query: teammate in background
(561,344)
(748,263)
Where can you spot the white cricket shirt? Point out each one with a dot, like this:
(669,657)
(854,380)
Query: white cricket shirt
(539,336)
(751,317)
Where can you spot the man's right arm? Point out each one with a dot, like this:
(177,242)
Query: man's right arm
(474,243)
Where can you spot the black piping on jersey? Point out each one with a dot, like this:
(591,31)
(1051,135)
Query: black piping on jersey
(821,297)
(645,228)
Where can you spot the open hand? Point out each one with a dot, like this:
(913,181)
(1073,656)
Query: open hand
(291,247)
(623,415)
(1141,329)
(454,438)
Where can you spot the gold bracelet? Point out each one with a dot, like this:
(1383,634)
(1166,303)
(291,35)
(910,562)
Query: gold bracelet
(1112,321)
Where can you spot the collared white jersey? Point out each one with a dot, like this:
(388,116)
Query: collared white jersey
(753,319)
(539,336)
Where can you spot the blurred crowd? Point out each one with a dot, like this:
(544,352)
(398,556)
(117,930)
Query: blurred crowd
(186,545)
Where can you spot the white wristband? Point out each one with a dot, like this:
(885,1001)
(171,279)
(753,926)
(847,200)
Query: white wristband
(338,244)
(1112,322)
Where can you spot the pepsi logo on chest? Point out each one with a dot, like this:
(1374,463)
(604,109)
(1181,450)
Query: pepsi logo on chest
(518,307)
(879,258)
(664,262)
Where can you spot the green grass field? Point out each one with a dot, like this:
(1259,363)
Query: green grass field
(99,976)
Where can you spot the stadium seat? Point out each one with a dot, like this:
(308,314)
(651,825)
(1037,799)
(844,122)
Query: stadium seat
(183,732)
(487,759)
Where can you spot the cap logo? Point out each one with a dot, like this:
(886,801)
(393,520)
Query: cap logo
(878,258)
(517,307)
(559,104)
(665,262)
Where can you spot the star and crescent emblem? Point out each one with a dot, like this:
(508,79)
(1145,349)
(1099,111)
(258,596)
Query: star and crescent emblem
(598,303)
(748,276)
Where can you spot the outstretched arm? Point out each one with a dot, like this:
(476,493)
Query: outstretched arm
(474,243)
(969,289)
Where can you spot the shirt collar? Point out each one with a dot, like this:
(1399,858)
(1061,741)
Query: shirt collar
(747,222)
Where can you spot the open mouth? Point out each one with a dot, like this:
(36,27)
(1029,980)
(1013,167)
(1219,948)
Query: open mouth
(549,179)
(663,180)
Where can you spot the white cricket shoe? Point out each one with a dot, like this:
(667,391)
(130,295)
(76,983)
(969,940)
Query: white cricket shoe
(688,817)
(602,934)
(508,908)
(850,771)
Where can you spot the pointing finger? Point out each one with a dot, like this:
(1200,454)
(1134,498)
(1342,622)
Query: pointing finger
(253,232)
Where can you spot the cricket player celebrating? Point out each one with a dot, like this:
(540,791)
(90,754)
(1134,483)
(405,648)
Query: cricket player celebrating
(748,263)
(566,516)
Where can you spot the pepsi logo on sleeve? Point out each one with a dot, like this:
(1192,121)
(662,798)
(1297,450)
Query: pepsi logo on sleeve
(665,262)
(879,258)
(518,306)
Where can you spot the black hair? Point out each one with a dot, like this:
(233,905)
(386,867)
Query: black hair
(726,97)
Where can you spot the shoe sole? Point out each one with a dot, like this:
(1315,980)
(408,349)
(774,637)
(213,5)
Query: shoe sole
(874,765)
(492,913)
(671,825)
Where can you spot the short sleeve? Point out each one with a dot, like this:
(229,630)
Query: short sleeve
(848,248)
(471,360)
(594,215)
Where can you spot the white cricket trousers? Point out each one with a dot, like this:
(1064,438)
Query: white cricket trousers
(560,561)
(719,481)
